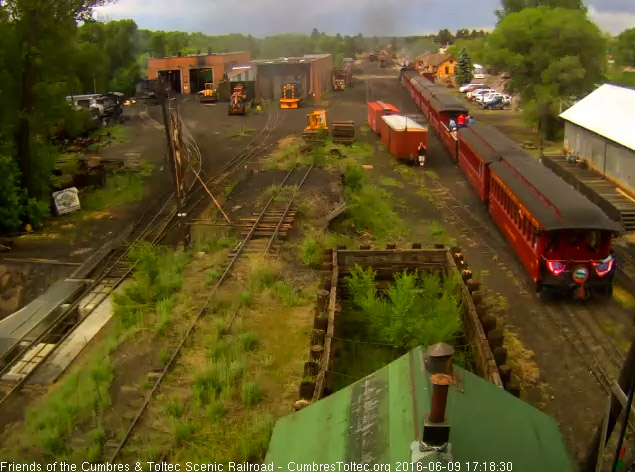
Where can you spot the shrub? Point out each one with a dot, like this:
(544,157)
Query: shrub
(354,178)
(415,310)
(311,252)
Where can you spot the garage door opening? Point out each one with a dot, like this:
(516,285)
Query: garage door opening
(198,78)
(172,77)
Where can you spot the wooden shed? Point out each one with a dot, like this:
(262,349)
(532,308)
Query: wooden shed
(376,110)
(402,135)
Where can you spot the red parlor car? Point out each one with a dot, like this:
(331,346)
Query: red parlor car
(561,237)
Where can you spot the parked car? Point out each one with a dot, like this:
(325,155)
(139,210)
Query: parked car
(489,96)
(496,102)
(479,94)
(471,95)
(507,99)
(505,75)
(470,87)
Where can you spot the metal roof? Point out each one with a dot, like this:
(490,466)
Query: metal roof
(478,145)
(375,420)
(607,111)
(402,123)
(552,201)
(307,58)
(437,93)
(494,138)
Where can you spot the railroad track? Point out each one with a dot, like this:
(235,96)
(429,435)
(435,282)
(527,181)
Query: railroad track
(263,236)
(152,227)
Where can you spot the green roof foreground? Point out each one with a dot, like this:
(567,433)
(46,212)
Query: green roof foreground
(375,420)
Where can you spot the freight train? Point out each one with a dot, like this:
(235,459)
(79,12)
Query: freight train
(562,239)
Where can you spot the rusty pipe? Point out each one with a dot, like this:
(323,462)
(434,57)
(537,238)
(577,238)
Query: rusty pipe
(440,384)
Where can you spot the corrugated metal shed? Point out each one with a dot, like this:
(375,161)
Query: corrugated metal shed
(607,111)
(375,420)
(402,123)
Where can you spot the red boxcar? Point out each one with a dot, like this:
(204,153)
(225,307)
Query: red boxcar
(404,135)
(562,239)
(375,111)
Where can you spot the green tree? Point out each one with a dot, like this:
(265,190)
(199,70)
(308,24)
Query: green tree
(462,34)
(445,37)
(45,34)
(624,46)
(464,73)
(550,54)
(515,6)
(475,48)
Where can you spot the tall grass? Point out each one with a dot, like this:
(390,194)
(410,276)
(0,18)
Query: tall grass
(77,400)
(119,189)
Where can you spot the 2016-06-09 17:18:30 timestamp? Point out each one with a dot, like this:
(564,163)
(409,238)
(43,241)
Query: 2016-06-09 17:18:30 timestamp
(467,466)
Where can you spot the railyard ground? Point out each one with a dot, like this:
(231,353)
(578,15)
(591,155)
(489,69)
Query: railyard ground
(263,353)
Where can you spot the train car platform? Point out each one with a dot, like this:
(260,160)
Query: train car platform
(615,202)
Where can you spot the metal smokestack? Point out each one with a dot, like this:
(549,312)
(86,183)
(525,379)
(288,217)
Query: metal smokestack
(440,384)
(439,359)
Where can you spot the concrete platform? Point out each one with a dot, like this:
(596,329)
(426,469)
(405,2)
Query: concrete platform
(29,322)
(73,345)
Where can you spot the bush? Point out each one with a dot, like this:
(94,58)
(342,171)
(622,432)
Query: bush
(354,178)
(415,310)
(311,252)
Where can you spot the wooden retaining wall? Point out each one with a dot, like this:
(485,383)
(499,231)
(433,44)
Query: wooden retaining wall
(480,327)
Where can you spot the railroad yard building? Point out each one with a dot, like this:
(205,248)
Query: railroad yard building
(188,74)
(599,130)
(312,72)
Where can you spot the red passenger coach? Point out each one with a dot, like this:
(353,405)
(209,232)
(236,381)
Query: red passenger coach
(475,156)
(443,108)
(562,239)
(478,146)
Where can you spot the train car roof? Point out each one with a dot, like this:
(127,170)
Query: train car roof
(402,123)
(495,139)
(487,153)
(553,202)
(445,102)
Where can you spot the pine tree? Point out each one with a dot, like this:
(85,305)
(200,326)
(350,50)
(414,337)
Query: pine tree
(464,74)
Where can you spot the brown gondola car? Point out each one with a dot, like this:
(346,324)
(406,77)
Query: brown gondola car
(562,239)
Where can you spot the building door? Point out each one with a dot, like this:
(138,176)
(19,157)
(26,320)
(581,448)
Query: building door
(277,87)
(172,77)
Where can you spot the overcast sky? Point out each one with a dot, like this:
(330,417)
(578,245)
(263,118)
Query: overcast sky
(370,17)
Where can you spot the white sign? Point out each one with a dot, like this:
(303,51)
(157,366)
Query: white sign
(66,201)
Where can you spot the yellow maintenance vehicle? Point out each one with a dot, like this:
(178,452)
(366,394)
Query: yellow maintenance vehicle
(237,101)
(317,129)
(209,94)
(290,96)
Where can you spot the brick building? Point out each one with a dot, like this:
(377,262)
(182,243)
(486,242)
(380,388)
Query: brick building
(188,74)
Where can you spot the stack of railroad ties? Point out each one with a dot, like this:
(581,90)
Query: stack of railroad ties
(562,239)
